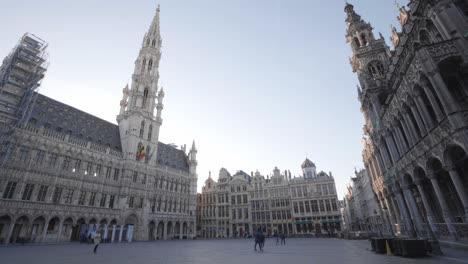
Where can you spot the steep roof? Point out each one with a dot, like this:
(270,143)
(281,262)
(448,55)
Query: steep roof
(307,164)
(63,118)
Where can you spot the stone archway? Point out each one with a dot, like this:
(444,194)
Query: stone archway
(457,167)
(191,230)
(151,230)
(170,230)
(53,227)
(160,231)
(131,228)
(184,230)
(177,230)
(446,191)
(20,230)
(5,224)
(38,226)
(67,230)
(79,230)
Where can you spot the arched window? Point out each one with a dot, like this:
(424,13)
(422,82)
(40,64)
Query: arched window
(424,37)
(147,42)
(356,42)
(145,96)
(376,69)
(150,132)
(143,65)
(363,39)
(150,65)
(154,43)
(142,128)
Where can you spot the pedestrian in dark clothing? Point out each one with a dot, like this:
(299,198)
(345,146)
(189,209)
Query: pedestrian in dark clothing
(257,240)
(262,241)
(283,239)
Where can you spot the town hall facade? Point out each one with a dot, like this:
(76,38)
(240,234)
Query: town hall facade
(66,174)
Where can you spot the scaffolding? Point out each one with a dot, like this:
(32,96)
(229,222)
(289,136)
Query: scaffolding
(21,74)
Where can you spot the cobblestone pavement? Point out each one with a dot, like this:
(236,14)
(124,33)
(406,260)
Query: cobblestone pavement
(323,251)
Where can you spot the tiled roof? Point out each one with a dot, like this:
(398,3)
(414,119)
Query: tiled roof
(60,117)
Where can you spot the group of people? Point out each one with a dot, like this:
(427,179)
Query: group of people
(260,239)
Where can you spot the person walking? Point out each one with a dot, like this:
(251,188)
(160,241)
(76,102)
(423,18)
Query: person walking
(97,241)
(277,236)
(257,239)
(283,239)
(262,240)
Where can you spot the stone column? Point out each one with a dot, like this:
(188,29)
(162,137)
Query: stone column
(405,213)
(394,155)
(460,187)
(443,93)
(390,220)
(427,206)
(121,232)
(420,123)
(165,231)
(400,135)
(60,230)
(411,128)
(44,230)
(443,204)
(414,211)
(439,112)
(113,234)
(398,142)
(422,108)
(10,231)
(407,132)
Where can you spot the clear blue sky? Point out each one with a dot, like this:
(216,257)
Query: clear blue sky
(256,83)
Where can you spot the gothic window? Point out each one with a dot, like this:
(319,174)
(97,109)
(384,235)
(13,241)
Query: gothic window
(376,69)
(145,96)
(142,128)
(363,39)
(40,156)
(424,37)
(9,190)
(111,201)
(102,203)
(153,43)
(356,42)
(57,195)
(150,132)
(147,42)
(143,65)
(42,193)
(150,65)
(28,191)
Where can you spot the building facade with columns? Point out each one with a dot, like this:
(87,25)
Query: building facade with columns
(415,101)
(67,174)
(362,211)
(238,205)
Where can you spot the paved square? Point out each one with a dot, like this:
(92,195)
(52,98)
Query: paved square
(323,251)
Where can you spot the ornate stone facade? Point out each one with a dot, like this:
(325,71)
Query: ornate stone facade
(415,102)
(362,212)
(68,174)
(237,205)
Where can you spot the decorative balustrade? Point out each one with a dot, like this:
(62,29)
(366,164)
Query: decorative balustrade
(442,50)
(20,206)
(60,136)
